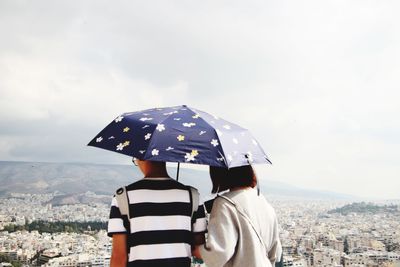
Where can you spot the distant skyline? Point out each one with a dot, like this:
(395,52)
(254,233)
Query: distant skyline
(317,82)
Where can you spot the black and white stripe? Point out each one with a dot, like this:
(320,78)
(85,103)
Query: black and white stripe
(160,223)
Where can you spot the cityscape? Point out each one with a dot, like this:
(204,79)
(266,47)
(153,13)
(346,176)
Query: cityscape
(304,92)
(313,232)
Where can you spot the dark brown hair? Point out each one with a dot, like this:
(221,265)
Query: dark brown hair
(224,179)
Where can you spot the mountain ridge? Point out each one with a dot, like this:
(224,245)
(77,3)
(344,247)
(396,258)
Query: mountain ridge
(104,179)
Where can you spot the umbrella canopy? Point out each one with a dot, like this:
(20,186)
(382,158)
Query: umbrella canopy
(180,134)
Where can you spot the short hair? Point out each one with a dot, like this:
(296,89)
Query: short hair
(224,179)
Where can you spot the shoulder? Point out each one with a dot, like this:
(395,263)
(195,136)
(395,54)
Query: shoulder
(221,203)
(156,184)
(267,205)
(134,184)
(222,210)
(181,185)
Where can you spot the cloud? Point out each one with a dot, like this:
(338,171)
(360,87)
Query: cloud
(315,81)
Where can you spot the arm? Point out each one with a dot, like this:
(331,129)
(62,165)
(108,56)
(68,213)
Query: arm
(119,255)
(199,239)
(119,234)
(222,235)
(199,228)
(274,254)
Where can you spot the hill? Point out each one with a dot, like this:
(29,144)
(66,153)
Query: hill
(74,180)
(363,207)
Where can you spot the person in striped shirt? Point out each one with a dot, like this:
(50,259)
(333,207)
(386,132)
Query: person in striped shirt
(162,228)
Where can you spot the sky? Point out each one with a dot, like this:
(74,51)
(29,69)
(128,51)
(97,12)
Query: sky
(317,82)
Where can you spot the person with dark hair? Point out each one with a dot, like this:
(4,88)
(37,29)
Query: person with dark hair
(243,227)
(156,221)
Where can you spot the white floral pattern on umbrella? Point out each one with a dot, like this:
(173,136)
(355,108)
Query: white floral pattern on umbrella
(118,119)
(169,134)
(160,127)
(191,156)
(214,142)
(188,124)
(146,119)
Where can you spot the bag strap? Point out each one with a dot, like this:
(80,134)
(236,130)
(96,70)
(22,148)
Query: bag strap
(194,198)
(122,199)
(247,219)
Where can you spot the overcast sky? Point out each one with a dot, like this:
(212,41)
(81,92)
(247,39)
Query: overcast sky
(317,82)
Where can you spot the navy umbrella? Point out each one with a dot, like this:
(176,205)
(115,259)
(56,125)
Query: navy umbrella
(180,134)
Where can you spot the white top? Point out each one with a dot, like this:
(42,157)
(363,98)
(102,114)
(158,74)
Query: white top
(232,242)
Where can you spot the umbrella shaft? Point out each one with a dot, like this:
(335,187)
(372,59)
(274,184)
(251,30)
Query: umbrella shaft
(177,172)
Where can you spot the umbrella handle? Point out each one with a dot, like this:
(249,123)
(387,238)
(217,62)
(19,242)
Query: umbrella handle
(177,171)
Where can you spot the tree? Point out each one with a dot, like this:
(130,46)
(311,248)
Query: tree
(346,246)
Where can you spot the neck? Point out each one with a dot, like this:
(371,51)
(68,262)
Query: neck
(156,175)
(153,169)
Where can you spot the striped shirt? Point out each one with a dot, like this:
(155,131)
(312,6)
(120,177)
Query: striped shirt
(160,225)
